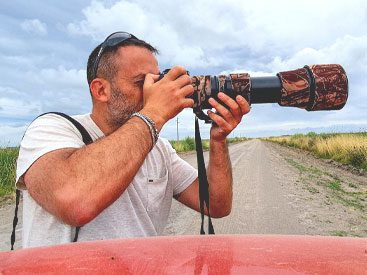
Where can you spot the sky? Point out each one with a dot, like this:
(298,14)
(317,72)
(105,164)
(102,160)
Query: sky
(44,47)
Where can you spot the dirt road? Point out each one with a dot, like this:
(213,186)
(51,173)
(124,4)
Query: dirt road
(277,190)
(281,190)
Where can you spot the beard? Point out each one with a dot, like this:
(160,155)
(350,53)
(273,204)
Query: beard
(120,108)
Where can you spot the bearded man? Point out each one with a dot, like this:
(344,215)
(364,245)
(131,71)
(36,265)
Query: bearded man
(122,184)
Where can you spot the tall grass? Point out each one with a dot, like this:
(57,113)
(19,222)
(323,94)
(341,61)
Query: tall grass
(8,158)
(347,148)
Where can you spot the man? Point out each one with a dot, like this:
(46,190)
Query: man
(122,184)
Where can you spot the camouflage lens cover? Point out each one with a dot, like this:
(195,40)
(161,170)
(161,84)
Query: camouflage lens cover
(242,85)
(331,87)
(206,86)
(202,90)
(295,88)
(316,87)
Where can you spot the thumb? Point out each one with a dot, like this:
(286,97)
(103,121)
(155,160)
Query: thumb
(150,79)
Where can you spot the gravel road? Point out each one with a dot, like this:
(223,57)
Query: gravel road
(282,190)
(277,190)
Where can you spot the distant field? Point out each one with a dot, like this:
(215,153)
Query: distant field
(346,148)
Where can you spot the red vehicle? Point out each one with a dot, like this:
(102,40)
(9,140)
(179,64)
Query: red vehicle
(220,254)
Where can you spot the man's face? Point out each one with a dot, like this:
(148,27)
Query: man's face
(127,86)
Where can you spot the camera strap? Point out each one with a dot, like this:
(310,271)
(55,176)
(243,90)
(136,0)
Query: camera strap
(203,181)
(87,139)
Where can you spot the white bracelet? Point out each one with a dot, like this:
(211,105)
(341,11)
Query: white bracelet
(151,125)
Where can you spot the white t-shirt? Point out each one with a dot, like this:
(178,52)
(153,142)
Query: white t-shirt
(143,208)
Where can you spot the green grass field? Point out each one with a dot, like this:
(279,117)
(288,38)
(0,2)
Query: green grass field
(8,158)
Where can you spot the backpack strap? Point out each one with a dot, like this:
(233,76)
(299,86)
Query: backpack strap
(87,139)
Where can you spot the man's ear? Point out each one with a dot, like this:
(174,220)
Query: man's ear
(100,89)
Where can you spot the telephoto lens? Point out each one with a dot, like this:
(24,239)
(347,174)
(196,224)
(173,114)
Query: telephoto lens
(313,88)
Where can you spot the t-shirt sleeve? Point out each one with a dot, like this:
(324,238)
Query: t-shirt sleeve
(45,134)
(183,174)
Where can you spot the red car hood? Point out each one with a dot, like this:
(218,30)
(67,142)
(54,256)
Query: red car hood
(220,254)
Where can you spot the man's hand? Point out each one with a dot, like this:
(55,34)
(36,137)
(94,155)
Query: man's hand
(226,120)
(219,169)
(166,98)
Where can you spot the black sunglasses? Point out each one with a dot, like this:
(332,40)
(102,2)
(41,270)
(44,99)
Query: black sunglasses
(111,41)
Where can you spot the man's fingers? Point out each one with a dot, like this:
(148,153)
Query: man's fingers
(245,107)
(221,122)
(234,107)
(175,72)
(186,91)
(183,80)
(188,103)
(228,116)
(150,79)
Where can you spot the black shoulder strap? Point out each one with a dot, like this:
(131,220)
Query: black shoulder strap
(85,135)
(87,139)
(15,219)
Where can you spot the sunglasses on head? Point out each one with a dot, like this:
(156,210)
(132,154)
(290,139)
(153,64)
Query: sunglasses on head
(111,41)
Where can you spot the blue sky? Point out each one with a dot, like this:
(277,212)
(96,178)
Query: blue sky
(44,46)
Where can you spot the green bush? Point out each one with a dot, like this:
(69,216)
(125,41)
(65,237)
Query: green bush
(188,144)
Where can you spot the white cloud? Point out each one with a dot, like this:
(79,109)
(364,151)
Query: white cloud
(61,89)
(259,37)
(14,103)
(200,34)
(59,78)
(101,21)
(34,26)
(48,89)
(349,51)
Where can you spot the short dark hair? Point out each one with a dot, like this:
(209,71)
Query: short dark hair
(107,66)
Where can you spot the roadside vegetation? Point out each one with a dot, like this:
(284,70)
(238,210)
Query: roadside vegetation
(348,193)
(8,158)
(346,148)
(331,189)
(188,144)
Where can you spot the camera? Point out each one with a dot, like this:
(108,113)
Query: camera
(313,88)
